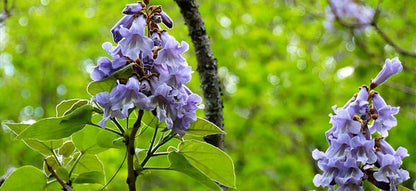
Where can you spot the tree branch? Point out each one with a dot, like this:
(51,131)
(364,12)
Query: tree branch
(373,23)
(207,68)
(65,186)
(7,12)
(132,175)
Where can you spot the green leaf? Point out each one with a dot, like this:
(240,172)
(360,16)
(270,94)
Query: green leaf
(90,177)
(44,147)
(16,127)
(212,161)
(86,140)
(89,162)
(402,188)
(108,83)
(67,149)
(202,127)
(179,163)
(26,178)
(107,139)
(62,173)
(59,127)
(52,162)
(67,106)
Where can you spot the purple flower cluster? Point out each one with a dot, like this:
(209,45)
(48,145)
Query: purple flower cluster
(353,154)
(159,70)
(348,10)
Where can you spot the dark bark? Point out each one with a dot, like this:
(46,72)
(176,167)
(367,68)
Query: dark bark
(7,12)
(207,68)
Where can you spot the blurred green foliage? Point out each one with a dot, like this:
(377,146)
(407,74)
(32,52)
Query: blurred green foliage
(281,72)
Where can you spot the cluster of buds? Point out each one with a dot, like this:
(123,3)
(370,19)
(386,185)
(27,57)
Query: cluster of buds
(159,71)
(353,154)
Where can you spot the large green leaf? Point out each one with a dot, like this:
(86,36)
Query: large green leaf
(26,178)
(59,127)
(67,106)
(16,127)
(108,83)
(107,139)
(202,127)
(86,140)
(212,161)
(87,163)
(89,177)
(179,163)
(44,147)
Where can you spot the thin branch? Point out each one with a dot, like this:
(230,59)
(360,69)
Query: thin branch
(107,129)
(389,41)
(151,151)
(114,120)
(75,163)
(157,168)
(132,174)
(65,186)
(111,179)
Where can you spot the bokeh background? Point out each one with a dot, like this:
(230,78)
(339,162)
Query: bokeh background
(281,70)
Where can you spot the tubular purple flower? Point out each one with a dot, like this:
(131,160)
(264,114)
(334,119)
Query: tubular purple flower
(118,58)
(389,171)
(390,67)
(331,170)
(362,149)
(385,120)
(125,22)
(170,55)
(104,99)
(350,174)
(132,9)
(102,70)
(340,147)
(134,42)
(360,104)
(343,122)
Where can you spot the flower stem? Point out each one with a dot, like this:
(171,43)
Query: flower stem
(75,164)
(132,175)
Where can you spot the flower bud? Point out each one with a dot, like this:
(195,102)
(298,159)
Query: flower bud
(390,67)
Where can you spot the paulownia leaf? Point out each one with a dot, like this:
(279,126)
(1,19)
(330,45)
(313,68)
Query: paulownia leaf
(402,188)
(59,127)
(67,149)
(26,178)
(108,83)
(179,163)
(44,147)
(202,127)
(86,140)
(17,127)
(89,177)
(87,163)
(67,106)
(107,139)
(212,161)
